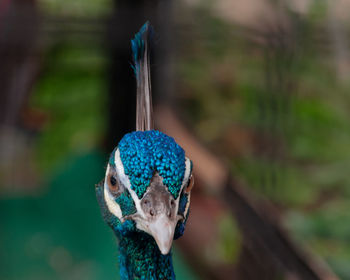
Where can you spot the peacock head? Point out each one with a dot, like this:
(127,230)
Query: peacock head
(147,187)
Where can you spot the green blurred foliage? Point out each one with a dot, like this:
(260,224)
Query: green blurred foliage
(72,92)
(57,232)
(229,240)
(295,151)
(299,151)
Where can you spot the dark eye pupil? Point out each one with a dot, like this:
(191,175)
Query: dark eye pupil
(113,181)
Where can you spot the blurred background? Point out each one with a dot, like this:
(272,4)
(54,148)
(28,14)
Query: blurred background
(258,93)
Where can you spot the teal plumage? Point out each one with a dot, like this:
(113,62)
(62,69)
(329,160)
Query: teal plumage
(145,194)
(140,258)
(142,152)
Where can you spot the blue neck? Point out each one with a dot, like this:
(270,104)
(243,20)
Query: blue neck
(140,258)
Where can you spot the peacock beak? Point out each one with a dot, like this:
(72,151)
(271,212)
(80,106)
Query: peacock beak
(162,229)
(158,214)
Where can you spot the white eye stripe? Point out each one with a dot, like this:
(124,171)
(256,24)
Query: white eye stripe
(124,179)
(112,206)
(184,182)
(187,204)
(187,173)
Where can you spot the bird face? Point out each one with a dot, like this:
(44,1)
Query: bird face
(147,187)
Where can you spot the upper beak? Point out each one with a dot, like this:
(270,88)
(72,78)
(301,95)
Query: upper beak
(161,228)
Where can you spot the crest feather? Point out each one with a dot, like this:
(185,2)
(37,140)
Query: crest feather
(141,52)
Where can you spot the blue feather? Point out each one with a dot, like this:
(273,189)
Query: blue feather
(141,39)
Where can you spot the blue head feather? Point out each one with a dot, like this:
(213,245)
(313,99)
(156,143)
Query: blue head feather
(145,152)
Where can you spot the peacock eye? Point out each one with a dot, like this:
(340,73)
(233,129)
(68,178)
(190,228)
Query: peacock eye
(189,185)
(112,183)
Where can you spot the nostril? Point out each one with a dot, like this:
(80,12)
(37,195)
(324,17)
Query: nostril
(146,202)
(172,203)
(151,212)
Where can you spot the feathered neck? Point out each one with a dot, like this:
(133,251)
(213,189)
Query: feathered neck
(140,258)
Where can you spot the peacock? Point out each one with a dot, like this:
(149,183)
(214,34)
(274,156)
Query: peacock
(145,195)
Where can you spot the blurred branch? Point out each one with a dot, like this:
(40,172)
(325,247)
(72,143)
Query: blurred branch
(339,42)
(19,67)
(19,59)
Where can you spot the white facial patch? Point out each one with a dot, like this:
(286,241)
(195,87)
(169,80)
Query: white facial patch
(186,178)
(187,205)
(184,181)
(112,206)
(187,173)
(124,179)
